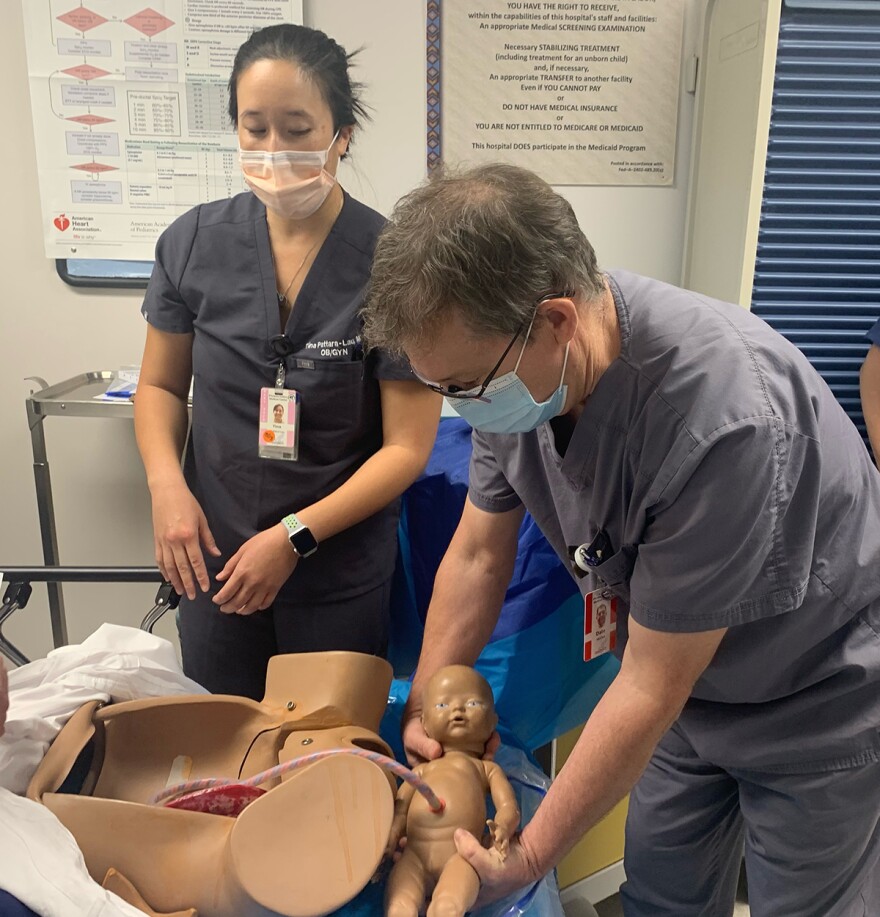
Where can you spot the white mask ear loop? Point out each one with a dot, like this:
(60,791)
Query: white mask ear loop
(327,151)
(564,363)
(526,341)
(519,359)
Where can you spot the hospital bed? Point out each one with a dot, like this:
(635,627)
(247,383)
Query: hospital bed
(18,590)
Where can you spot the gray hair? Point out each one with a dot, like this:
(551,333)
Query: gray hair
(489,241)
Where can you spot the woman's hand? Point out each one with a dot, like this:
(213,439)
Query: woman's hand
(255,573)
(179,531)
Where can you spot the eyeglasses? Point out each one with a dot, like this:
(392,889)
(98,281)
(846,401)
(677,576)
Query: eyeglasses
(454,392)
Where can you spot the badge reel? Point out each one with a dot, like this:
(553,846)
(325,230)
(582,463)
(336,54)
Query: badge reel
(278,430)
(600,605)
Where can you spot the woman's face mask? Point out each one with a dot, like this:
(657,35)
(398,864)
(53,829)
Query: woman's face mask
(293,183)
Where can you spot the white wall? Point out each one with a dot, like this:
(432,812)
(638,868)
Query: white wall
(727,180)
(51,330)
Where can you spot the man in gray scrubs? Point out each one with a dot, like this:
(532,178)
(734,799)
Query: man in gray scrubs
(708,491)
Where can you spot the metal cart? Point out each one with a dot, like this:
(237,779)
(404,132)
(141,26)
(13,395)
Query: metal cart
(74,397)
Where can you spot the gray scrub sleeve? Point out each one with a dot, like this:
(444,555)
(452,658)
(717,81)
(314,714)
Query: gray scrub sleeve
(488,489)
(732,538)
(164,308)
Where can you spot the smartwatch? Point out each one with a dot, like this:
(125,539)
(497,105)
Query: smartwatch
(301,538)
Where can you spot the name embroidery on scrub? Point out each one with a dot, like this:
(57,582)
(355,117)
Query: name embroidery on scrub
(350,348)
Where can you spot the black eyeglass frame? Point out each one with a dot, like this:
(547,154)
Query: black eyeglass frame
(454,392)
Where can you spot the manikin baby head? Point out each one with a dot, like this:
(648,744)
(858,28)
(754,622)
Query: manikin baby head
(458,709)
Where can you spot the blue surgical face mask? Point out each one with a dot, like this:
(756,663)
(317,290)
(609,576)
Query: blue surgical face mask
(507,405)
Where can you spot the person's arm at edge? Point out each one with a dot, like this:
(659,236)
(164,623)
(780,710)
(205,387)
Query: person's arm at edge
(468,593)
(869,387)
(656,678)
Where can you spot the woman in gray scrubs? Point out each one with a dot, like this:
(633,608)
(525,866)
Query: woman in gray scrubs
(280,530)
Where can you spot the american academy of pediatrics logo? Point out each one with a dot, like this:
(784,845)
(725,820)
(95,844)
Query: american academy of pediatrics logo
(61,222)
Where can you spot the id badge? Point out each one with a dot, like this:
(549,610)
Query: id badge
(279,424)
(600,623)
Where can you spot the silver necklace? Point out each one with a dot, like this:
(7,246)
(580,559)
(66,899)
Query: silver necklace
(282,297)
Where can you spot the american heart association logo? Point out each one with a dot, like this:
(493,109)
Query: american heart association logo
(61,222)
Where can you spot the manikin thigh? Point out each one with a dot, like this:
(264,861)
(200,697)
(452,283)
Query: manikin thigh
(456,891)
(407,884)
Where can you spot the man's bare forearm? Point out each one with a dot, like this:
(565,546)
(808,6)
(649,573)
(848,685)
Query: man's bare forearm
(468,592)
(613,750)
(656,678)
(463,612)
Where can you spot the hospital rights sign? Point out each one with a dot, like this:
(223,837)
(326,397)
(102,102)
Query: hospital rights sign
(581,93)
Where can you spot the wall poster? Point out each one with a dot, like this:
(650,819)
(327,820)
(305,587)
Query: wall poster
(129,106)
(582,93)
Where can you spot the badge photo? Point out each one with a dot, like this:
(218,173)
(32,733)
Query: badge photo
(600,623)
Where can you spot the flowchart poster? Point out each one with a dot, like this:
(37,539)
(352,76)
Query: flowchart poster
(130,114)
(581,93)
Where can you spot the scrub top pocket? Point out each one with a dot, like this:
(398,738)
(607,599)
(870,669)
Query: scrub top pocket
(339,408)
(615,573)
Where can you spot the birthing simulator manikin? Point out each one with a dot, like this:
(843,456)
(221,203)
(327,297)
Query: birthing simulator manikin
(305,843)
(459,713)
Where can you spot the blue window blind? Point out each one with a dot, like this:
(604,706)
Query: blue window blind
(817,274)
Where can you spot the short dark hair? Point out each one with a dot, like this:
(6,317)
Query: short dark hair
(488,242)
(318,55)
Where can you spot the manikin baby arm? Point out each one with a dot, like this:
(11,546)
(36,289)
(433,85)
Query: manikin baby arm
(506,821)
(398,825)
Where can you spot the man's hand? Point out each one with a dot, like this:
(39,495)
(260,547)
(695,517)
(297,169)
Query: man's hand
(418,745)
(499,876)
(255,573)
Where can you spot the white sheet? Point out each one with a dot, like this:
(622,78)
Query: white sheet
(41,865)
(113,664)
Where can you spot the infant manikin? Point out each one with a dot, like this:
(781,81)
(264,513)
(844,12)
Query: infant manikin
(459,713)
